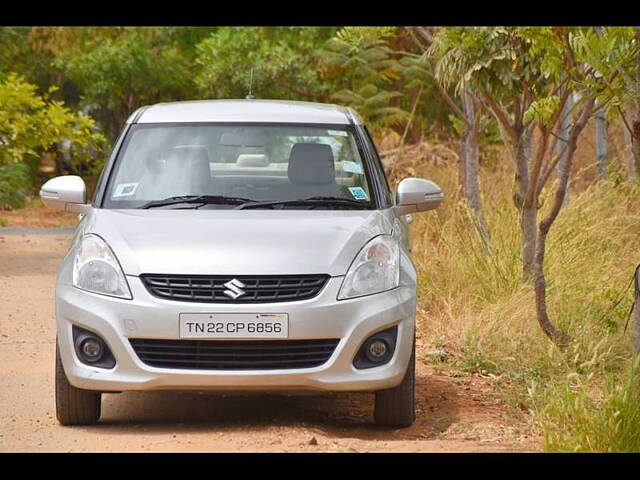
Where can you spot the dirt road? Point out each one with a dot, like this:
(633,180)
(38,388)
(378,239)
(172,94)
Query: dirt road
(454,414)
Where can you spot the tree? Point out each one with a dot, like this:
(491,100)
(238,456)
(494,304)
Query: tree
(281,58)
(525,77)
(358,64)
(17,55)
(631,100)
(494,64)
(31,124)
(473,123)
(125,68)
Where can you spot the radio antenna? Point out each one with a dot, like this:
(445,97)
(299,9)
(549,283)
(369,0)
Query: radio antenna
(250,96)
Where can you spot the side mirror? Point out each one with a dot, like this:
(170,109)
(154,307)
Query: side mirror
(65,193)
(417,195)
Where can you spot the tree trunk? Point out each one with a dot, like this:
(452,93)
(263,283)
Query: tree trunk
(565,124)
(528,222)
(462,164)
(635,145)
(59,159)
(540,286)
(519,147)
(629,162)
(528,214)
(470,167)
(601,144)
(473,185)
(636,327)
(557,336)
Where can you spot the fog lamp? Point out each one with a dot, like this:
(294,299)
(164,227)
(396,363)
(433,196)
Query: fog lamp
(377,350)
(92,349)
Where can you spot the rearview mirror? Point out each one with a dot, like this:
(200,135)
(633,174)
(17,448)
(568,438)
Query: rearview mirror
(65,193)
(417,195)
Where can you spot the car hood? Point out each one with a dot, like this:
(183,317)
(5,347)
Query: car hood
(236,242)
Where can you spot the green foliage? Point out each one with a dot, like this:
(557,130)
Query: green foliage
(130,68)
(17,55)
(15,183)
(507,62)
(31,124)
(138,66)
(360,37)
(612,55)
(542,110)
(484,57)
(373,103)
(358,61)
(281,59)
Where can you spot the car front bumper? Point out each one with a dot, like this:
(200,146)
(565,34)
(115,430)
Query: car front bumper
(352,321)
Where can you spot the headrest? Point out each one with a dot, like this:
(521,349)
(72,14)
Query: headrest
(252,160)
(311,163)
(194,158)
(154,161)
(188,154)
(242,139)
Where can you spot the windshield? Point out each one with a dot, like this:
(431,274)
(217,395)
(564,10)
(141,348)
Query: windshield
(255,163)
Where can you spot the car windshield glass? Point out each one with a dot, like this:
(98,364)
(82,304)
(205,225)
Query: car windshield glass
(257,163)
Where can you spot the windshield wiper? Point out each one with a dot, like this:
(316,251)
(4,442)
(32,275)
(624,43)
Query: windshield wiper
(202,199)
(307,201)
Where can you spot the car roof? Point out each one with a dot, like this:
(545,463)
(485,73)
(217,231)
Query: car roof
(259,111)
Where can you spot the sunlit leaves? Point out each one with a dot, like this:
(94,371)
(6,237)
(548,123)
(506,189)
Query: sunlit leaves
(542,110)
(30,122)
(359,37)
(504,62)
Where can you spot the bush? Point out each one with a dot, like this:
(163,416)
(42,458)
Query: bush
(30,125)
(15,184)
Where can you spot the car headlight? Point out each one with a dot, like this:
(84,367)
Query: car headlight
(375,269)
(96,269)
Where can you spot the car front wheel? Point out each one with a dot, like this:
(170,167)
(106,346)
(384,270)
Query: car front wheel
(74,406)
(396,407)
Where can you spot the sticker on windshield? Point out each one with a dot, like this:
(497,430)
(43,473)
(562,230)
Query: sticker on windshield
(125,190)
(338,133)
(358,193)
(352,167)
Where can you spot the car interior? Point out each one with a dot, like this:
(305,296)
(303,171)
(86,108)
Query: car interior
(241,164)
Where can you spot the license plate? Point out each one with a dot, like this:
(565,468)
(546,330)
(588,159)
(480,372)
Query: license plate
(234,325)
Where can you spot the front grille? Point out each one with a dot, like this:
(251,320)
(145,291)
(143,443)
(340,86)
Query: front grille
(257,288)
(233,355)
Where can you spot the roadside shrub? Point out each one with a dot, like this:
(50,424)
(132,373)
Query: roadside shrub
(30,125)
(15,184)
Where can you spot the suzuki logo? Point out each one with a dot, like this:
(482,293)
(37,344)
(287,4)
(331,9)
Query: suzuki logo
(235,287)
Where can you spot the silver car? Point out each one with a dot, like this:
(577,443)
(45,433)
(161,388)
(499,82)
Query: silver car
(239,245)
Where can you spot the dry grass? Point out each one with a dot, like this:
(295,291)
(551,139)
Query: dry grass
(475,306)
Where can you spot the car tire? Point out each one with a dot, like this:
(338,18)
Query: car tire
(396,407)
(74,406)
